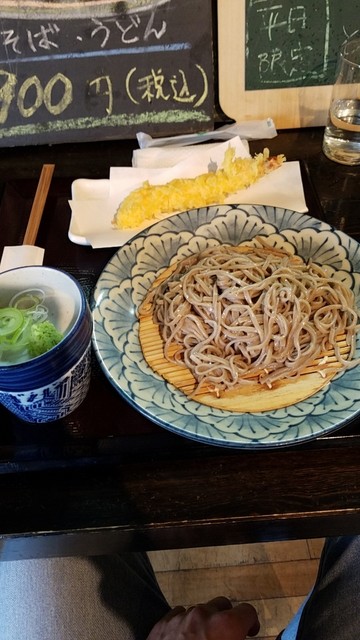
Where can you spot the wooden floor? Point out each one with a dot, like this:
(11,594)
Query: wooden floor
(273,576)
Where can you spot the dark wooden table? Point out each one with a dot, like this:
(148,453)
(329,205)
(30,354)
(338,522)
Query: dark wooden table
(105,478)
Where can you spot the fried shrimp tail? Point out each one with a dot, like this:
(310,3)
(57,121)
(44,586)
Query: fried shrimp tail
(150,202)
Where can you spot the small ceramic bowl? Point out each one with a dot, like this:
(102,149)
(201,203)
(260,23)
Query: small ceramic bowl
(49,386)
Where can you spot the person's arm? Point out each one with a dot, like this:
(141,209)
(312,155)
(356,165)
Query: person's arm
(215,620)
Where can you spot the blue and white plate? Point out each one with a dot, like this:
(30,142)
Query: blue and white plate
(131,271)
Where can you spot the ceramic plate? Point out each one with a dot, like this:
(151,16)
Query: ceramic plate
(128,276)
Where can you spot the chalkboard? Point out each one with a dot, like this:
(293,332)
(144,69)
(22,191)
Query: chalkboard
(75,71)
(277,58)
(292,44)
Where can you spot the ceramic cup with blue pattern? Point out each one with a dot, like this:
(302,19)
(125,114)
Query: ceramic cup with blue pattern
(50,386)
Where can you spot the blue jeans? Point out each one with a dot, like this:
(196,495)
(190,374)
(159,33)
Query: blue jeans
(118,598)
(332,610)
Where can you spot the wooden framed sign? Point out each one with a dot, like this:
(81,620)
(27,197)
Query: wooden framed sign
(77,70)
(278,58)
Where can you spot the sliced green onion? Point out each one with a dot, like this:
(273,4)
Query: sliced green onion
(25,317)
(28,299)
(11,320)
(21,336)
(39,314)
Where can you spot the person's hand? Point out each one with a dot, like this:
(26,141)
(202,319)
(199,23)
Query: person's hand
(215,620)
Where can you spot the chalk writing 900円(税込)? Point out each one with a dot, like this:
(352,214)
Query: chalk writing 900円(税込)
(106,75)
(57,94)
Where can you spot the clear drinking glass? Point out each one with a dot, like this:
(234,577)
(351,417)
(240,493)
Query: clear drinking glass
(342,132)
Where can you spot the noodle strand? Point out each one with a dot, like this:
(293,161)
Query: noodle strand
(233,316)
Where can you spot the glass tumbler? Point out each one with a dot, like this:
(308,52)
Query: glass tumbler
(341,141)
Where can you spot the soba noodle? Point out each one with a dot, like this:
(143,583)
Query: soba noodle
(232,316)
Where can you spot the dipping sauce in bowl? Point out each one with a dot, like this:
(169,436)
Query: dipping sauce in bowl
(47,374)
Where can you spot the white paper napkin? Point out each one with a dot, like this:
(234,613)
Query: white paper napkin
(22,255)
(157,157)
(94,203)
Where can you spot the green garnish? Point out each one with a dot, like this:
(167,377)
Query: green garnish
(10,321)
(43,337)
(25,331)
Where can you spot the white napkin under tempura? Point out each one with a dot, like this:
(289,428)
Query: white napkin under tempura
(95,202)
